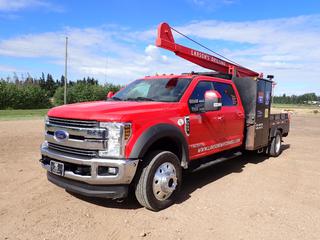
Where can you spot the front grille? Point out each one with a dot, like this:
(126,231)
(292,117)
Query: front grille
(70,136)
(71,150)
(73,123)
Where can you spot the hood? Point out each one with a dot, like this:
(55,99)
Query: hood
(110,110)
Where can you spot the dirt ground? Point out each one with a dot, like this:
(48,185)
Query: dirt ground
(246,198)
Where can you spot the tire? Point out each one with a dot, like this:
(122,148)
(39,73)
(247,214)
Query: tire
(275,145)
(160,180)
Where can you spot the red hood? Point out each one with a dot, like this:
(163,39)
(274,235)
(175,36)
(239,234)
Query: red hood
(110,110)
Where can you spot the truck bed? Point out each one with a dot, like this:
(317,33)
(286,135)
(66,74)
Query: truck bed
(279,121)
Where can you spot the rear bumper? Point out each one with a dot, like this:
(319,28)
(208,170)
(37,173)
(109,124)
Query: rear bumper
(106,191)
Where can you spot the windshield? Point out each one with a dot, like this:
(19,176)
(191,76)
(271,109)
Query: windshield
(159,90)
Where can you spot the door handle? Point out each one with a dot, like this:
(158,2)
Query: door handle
(220,117)
(241,115)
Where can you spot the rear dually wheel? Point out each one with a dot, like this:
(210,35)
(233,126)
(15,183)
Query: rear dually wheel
(275,145)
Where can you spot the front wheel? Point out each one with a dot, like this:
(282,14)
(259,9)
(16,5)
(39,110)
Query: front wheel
(160,180)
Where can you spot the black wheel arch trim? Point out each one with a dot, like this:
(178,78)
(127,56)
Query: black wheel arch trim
(155,133)
(274,131)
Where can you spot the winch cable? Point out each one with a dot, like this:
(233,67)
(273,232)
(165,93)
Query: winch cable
(194,41)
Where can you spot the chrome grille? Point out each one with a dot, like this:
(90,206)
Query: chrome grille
(73,122)
(71,150)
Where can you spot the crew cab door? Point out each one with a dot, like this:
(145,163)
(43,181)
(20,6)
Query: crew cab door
(232,114)
(206,128)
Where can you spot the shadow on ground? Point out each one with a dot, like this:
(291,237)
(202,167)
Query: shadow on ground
(201,178)
(191,181)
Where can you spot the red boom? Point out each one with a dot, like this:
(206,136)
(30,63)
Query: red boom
(165,40)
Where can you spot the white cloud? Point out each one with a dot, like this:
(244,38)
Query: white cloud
(5,68)
(92,51)
(17,5)
(210,5)
(287,48)
(154,54)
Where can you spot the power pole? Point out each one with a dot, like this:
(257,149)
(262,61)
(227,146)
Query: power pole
(66,72)
(106,69)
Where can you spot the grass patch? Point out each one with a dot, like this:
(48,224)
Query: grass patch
(295,106)
(22,114)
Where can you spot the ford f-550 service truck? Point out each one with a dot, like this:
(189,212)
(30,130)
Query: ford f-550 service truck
(145,135)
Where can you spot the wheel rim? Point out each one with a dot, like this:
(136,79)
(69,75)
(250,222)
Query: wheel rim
(164,181)
(278,143)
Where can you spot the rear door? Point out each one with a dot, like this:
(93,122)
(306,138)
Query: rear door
(232,114)
(206,128)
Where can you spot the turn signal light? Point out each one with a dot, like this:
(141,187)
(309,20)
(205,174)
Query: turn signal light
(127,131)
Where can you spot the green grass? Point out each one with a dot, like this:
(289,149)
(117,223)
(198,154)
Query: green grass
(292,106)
(22,114)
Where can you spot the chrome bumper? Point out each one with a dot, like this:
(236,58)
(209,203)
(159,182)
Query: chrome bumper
(125,174)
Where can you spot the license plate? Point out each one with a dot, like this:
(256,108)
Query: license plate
(57,168)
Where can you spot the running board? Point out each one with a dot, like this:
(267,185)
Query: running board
(218,160)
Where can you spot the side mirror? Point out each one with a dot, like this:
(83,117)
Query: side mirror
(110,94)
(212,101)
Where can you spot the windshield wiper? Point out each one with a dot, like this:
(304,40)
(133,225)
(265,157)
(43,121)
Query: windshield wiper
(116,99)
(140,99)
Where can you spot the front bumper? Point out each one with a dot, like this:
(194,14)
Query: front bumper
(126,169)
(101,191)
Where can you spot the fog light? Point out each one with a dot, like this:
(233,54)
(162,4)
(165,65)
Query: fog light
(112,170)
(107,171)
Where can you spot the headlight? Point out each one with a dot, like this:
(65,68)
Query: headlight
(46,119)
(117,134)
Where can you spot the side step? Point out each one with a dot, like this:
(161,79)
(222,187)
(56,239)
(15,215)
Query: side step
(211,161)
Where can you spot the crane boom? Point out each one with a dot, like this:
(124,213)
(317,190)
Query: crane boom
(165,40)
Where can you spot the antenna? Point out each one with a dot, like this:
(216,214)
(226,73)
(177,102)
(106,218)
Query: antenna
(106,69)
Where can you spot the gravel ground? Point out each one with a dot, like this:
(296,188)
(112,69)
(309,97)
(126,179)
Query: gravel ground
(249,197)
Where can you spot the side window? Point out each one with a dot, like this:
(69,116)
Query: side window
(196,100)
(228,97)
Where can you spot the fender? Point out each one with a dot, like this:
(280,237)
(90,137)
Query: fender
(273,131)
(156,132)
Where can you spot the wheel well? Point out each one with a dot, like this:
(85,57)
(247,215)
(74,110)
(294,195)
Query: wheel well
(273,132)
(167,144)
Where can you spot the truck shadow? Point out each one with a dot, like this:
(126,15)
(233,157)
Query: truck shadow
(199,179)
(128,203)
(191,181)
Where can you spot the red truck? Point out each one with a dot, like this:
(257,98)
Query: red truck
(148,133)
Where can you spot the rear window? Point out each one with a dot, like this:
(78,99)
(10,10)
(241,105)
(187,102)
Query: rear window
(228,96)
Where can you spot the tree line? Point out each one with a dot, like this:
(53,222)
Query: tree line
(307,98)
(45,92)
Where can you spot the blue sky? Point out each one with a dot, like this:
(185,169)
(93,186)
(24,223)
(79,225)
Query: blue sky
(114,40)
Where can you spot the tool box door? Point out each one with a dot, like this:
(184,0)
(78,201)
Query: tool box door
(263,101)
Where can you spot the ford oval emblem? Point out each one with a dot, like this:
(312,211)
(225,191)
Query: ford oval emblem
(61,135)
